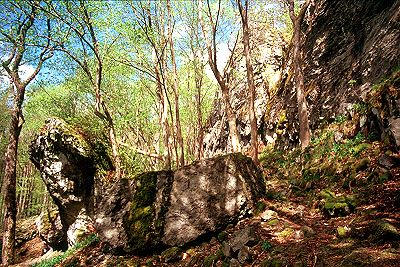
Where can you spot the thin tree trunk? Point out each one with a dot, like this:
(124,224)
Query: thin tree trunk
(175,88)
(250,79)
(212,56)
(9,189)
(304,125)
(163,114)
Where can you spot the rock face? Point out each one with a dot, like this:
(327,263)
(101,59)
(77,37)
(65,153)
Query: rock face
(165,208)
(349,47)
(65,161)
(147,212)
(209,194)
(50,229)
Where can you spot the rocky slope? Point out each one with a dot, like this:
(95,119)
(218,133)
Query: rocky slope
(349,47)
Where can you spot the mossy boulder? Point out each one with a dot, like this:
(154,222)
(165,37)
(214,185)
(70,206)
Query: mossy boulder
(164,208)
(50,229)
(68,163)
(334,206)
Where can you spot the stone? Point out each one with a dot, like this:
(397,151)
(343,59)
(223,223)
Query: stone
(388,162)
(66,163)
(131,216)
(209,194)
(394,126)
(173,209)
(172,254)
(226,249)
(244,255)
(243,237)
(153,209)
(50,229)
(307,231)
(268,215)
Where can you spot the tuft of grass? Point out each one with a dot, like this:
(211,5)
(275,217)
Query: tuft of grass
(92,239)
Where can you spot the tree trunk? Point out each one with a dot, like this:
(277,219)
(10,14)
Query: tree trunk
(305,135)
(212,56)
(175,89)
(250,80)
(9,189)
(304,126)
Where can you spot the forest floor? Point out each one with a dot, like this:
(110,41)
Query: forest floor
(333,205)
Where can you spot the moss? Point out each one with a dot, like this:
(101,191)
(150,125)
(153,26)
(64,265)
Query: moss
(273,222)
(286,233)
(145,227)
(222,236)
(342,231)
(211,260)
(172,254)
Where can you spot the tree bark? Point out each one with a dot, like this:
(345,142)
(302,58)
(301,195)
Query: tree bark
(250,79)
(212,59)
(9,189)
(175,87)
(304,125)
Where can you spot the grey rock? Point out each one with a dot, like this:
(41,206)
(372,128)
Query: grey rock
(234,263)
(307,231)
(268,215)
(65,161)
(394,126)
(208,195)
(153,209)
(226,249)
(244,254)
(244,237)
(51,230)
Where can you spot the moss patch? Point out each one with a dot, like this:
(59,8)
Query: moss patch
(144,225)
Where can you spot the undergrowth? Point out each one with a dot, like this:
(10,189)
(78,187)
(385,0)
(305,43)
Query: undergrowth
(90,240)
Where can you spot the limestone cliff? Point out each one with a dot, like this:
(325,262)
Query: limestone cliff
(349,46)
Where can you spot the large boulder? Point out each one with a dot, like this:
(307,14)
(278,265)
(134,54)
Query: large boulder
(163,208)
(66,162)
(152,210)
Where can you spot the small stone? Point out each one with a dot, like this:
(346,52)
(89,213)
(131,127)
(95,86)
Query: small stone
(226,249)
(172,254)
(213,240)
(234,263)
(298,235)
(268,215)
(244,237)
(307,231)
(244,254)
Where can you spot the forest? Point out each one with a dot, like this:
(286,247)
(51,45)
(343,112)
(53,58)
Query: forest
(199,133)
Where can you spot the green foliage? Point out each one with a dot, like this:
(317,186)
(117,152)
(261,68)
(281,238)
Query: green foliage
(361,108)
(351,83)
(89,241)
(340,119)
(266,245)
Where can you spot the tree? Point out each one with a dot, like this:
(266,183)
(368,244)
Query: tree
(243,10)
(150,19)
(19,37)
(305,134)
(79,24)
(175,86)
(222,79)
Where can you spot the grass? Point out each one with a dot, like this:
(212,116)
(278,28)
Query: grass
(92,239)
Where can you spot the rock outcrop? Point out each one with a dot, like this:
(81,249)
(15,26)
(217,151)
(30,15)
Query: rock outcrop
(66,162)
(150,211)
(163,208)
(349,47)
